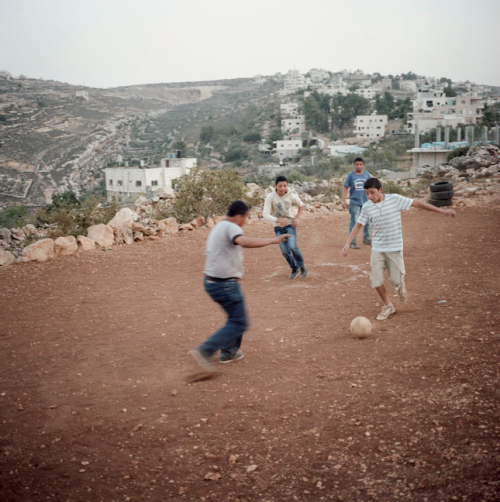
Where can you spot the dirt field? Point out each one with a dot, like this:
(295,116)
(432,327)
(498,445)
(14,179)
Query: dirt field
(94,406)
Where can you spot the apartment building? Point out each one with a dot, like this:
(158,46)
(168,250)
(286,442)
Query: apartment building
(293,125)
(368,92)
(127,183)
(370,126)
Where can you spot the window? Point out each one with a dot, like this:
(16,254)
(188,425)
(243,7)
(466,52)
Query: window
(138,183)
(154,183)
(110,182)
(119,183)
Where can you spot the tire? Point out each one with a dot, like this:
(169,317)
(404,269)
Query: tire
(441,186)
(442,195)
(441,203)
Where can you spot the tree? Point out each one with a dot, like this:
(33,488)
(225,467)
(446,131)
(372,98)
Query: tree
(316,108)
(207,133)
(345,108)
(449,91)
(275,135)
(235,153)
(252,137)
(385,103)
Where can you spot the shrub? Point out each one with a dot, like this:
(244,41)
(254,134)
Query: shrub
(391,187)
(13,216)
(457,152)
(65,219)
(206,193)
(252,137)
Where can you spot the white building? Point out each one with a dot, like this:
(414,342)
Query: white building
(290,109)
(408,85)
(82,94)
(127,183)
(370,126)
(318,75)
(293,125)
(294,81)
(288,148)
(368,92)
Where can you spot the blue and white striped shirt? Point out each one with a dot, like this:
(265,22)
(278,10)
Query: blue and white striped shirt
(385,218)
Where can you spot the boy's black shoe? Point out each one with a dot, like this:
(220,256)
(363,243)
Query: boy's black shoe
(294,273)
(303,271)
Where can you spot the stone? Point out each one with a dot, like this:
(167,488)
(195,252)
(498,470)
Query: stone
(138,236)
(124,218)
(38,251)
(210,223)
(29,229)
(218,218)
(85,244)
(6,258)
(128,235)
(198,222)
(138,227)
(169,225)
(118,235)
(65,246)
(102,234)
(6,235)
(186,226)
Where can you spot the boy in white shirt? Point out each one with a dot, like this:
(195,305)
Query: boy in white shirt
(279,210)
(383,212)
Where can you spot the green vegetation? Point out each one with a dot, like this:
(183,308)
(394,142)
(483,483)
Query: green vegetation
(205,193)
(66,215)
(13,216)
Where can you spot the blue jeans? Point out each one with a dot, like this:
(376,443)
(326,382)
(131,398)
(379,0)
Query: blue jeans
(354,211)
(289,247)
(228,338)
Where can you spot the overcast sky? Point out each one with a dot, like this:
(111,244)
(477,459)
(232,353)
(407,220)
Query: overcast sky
(106,43)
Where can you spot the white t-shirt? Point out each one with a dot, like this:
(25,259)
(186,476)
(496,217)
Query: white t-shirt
(281,207)
(224,258)
(385,218)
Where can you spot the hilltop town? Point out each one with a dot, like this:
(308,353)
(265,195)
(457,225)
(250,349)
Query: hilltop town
(57,137)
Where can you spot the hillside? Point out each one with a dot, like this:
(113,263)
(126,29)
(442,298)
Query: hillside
(52,139)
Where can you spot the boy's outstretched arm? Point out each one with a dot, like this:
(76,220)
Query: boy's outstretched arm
(429,207)
(354,232)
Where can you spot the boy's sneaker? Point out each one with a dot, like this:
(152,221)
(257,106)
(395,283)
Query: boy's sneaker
(203,361)
(303,271)
(354,246)
(229,359)
(368,242)
(401,290)
(386,311)
(294,273)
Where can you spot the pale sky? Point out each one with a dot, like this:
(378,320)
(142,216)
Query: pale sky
(106,43)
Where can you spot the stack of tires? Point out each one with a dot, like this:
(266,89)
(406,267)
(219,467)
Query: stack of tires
(441,193)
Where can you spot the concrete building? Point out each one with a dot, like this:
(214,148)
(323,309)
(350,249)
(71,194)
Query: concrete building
(293,125)
(370,126)
(368,92)
(408,85)
(288,148)
(290,109)
(293,82)
(127,183)
(318,75)
(432,109)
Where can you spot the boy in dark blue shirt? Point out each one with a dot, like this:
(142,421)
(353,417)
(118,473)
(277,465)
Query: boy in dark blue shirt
(355,182)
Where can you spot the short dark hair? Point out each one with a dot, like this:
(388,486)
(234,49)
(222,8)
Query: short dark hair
(372,183)
(280,178)
(358,159)
(237,208)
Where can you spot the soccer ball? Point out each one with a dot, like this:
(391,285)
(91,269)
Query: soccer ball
(361,327)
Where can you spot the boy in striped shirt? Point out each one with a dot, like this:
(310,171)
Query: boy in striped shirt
(383,212)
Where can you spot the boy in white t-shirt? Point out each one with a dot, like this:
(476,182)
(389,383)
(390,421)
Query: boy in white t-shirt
(383,212)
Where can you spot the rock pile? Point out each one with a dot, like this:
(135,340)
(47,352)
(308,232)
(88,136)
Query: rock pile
(479,163)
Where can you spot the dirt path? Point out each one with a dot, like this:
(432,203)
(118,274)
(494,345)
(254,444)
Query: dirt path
(94,406)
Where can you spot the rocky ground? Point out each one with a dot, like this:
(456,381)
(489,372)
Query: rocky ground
(94,403)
